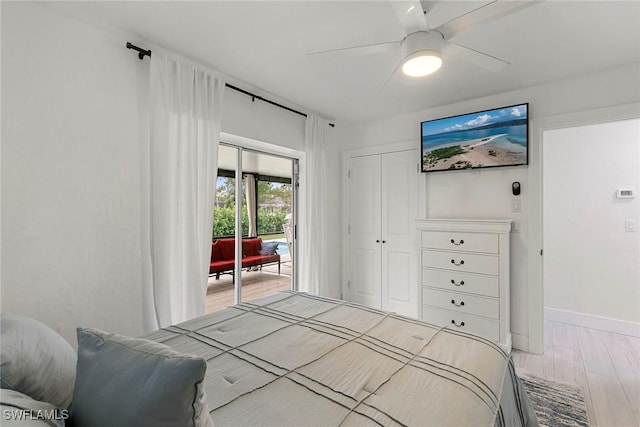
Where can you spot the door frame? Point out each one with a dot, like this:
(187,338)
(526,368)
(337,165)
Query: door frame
(299,204)
(369,151)
(535,176)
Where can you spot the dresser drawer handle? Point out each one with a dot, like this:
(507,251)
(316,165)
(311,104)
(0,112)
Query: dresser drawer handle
(457,244)
(453,282)
(457,305)
(453,261)
(456,325)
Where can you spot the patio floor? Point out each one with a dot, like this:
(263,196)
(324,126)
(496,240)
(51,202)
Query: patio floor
(255,284)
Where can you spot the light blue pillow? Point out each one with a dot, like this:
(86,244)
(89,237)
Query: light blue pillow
(123,381)
(35,360)
(268,248)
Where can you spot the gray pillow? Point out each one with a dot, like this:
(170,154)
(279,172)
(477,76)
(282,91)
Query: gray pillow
(35,360)
(268,248)
(123,381)
(20,410)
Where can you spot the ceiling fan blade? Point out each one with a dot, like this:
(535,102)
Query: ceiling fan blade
(411,15)
(358,50)
(489,12)
(474,57)
(391,74)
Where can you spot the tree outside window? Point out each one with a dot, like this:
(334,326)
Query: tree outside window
(273,204)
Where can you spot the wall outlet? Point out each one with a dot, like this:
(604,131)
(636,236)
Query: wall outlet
(625,193)
(630,226)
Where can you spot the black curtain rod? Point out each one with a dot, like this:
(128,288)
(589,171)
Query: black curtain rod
(145,52)
(268,101)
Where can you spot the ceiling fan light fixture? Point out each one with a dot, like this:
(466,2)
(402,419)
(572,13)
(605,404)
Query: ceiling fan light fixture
(422,63)
(421,53)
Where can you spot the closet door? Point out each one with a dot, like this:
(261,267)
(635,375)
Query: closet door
(364,221)
(399,185)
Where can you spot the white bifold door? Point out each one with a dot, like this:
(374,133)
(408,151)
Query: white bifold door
(383,249)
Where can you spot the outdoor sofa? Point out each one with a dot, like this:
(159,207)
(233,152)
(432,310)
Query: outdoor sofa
(255,253)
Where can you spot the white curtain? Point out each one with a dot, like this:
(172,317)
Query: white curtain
(252,209)
(313,266)
(185,112)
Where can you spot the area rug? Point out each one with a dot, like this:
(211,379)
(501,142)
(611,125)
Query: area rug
(557,404)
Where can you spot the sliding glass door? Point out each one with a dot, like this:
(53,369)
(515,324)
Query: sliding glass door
(254,227)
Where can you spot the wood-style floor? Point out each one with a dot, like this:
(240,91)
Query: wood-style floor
(255,284)
(604,364)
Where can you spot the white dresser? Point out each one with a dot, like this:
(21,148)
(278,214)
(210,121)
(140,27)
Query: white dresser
(464,279)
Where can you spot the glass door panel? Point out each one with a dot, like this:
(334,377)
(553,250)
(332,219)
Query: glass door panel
(266,223)
(269,203)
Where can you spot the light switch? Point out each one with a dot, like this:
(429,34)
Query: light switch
(630,226)
(515,205)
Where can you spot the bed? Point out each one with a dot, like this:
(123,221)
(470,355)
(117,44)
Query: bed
(293,359)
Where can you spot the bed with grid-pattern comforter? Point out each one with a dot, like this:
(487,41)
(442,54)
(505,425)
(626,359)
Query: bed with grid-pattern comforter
(292,359)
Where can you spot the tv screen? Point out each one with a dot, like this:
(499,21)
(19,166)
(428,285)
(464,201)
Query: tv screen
(484,139)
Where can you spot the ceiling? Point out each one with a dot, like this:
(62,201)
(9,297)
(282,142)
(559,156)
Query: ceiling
(263,46)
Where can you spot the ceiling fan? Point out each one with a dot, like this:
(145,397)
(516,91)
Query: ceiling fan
(420,52)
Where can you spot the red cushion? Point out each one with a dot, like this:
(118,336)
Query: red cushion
(259,260)
(251,247)
(270,258)
(219,266)
(216,254)
(227,248)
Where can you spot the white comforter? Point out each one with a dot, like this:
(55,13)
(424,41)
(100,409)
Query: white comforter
(293,359)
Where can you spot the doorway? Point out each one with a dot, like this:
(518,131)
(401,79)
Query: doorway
(591,241)
(253,233)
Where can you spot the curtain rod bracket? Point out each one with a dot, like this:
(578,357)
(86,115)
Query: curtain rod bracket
(141,52)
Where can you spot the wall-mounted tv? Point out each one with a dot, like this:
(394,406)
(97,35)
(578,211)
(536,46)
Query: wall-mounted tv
(484,139)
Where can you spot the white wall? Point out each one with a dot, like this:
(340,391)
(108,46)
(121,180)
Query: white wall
(591,265)
(73,112)
(70,181)
(487,193)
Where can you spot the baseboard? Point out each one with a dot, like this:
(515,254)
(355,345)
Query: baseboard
(617,326)
(520,342)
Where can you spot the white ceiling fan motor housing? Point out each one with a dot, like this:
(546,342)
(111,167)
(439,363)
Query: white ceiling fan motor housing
(422,40)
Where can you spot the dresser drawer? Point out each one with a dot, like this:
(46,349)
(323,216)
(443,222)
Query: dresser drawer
(463,282)
(462,303)
(467,242)
(468,263)
(486,328)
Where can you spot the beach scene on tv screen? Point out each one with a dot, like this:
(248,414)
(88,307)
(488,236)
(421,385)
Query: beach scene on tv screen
(483,139)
